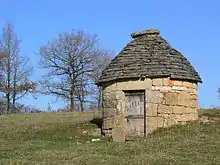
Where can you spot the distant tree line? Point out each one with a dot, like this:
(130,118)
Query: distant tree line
(73,63)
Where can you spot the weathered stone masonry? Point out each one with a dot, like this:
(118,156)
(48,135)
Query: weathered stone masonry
(168,102)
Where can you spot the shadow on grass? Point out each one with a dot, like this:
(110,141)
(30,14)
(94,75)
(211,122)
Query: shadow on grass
(97,121)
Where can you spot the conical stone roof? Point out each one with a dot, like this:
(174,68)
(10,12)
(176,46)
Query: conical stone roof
(149,55)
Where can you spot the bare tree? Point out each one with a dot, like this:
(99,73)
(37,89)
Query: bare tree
(2,56)
(87,92)
(16,71)
(68,59)
(101,61)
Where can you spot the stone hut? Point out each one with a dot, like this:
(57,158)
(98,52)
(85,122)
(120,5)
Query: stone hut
(148,85)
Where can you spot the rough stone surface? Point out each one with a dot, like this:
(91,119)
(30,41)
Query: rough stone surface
(110,103)
(179,88)
(183,99)
(133,85)
(168,103)
(153,123)
(171,98)
(109,112)
(187,84)
(162,88)
(152,109)
(182,110)
(110,96)
(177,83)
(158,82)
(108,123)
(163,109)
(166,81)
(154,97)
(169,120)
(193,103)
(118,134)
(193,97)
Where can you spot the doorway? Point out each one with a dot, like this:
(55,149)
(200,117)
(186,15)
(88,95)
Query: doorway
(135,114)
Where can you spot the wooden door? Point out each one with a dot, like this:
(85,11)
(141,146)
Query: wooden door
(135,114)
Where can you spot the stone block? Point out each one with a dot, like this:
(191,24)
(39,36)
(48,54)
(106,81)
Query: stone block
(193,103)
(166,81)
(193,97)
(109,103)
(160,121)
(194,85)
(182,110)
(170,83)
(148,83)
(154,97)
(187,117)
(118,134)
(165,109)
(108,123)
(158,82)
(162,88)
(153,123)
(110,96)
(187,84)
(107,133)
(121,107)
(190,91)
(120,95)
(109,112)
(179,88)
(119,121)
(178,83)
(134,85)
(171,98)
(169,120)
(151,109)
(184,99)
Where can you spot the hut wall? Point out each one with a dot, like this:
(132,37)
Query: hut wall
(168,102)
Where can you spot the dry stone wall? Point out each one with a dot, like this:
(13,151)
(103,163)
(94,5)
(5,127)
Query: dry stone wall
(168,102)
(171,102)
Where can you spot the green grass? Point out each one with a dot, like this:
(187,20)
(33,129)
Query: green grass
(52,139)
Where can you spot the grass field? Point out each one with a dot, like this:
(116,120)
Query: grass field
(52,139)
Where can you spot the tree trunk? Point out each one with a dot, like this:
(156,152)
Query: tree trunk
(8,79)
(13,99)
(14,87)
(72,105)
(81,105)
(8,102)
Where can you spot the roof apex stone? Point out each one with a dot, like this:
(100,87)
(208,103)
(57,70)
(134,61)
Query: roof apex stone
(145,32)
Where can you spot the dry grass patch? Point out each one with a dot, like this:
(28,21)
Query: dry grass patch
(51,139)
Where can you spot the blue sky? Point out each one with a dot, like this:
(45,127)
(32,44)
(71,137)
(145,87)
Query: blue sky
(192,27)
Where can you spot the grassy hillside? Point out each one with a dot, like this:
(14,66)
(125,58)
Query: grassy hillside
(55,138)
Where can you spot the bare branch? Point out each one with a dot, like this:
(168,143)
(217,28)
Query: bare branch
(70,59)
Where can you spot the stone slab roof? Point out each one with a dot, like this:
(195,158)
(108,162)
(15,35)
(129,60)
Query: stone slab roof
(149,55)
